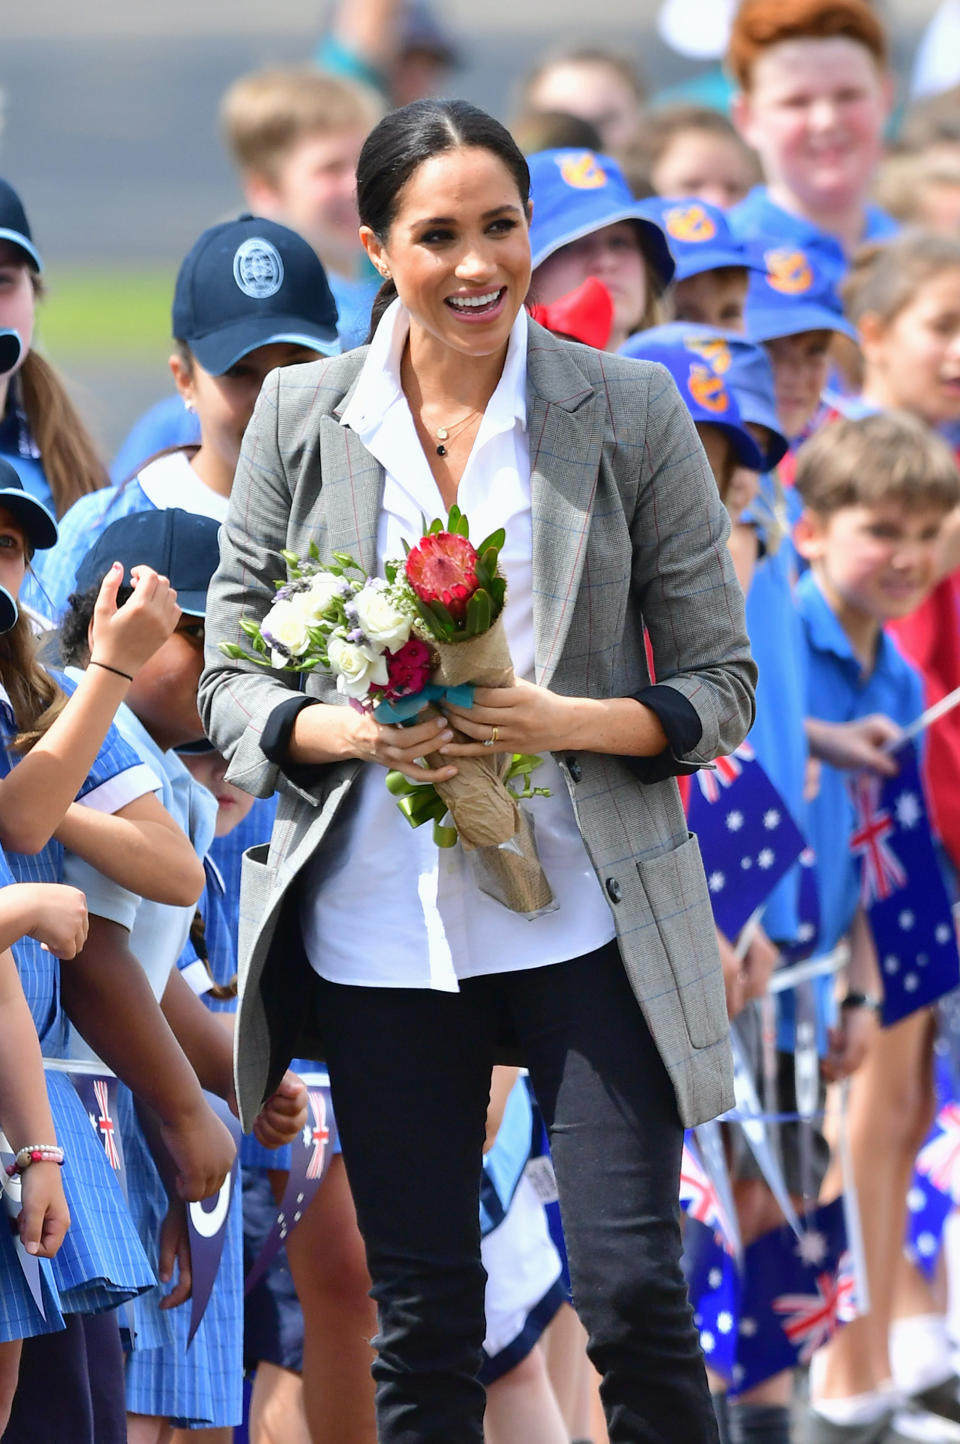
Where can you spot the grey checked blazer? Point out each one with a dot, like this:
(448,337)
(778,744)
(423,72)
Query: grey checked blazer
(628,531)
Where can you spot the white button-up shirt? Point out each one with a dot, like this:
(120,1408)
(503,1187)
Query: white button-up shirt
(383,906)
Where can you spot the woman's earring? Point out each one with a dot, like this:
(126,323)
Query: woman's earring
(188,405)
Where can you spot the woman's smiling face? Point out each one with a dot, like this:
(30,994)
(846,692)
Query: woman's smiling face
(458,250)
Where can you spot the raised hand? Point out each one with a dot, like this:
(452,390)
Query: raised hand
(125,637)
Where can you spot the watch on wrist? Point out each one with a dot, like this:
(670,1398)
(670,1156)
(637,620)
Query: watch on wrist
(861,1000)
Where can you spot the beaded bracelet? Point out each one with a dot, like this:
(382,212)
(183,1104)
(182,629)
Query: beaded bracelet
(35,1153)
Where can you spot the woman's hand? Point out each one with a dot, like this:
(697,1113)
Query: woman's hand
(44,1216)
(399,748)
(126,637)
(527,718)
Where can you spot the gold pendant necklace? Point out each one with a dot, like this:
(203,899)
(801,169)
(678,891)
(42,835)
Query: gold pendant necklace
(447,433)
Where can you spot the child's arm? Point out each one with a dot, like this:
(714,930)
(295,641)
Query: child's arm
(849,745)
(107,995)
(850,1040)
(744,549)
(139,846)
(25,1116)
(209,1047)
(52,913)
(37,792)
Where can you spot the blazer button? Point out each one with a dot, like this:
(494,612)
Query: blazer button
(614,890)
(574,768)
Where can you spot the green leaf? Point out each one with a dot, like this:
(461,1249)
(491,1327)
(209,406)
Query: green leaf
(252,629)
(390,572)
(291,558)
(496,540)
(436,526)
(453,519)
(344,559)
(313,551)
(479,614)
(463,528)
(406,546)
(230,649)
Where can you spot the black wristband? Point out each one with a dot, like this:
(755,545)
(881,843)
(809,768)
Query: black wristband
(107,668)
(860,1000)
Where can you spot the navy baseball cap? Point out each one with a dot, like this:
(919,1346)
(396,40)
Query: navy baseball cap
(247,283)
(39,526)
(744,366)
(178,544)
(576,192)
(704,391)
(14,225)
(699,237)
(9,611)
(793,293)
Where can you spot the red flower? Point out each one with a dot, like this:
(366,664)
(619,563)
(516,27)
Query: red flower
(442,569)
(408,669)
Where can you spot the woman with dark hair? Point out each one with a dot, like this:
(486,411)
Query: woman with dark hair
(357,933)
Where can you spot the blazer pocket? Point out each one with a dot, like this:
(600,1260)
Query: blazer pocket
(676,891)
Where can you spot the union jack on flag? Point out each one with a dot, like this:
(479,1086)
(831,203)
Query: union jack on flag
(810,1320)
(724,771)
(699,1198)
(106,1125)
(881,874)
(939,1159)
(316,1134)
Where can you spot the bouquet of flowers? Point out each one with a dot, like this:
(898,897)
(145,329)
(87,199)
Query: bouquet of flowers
(430,629)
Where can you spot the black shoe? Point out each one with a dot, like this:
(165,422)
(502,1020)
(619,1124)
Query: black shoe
(942,1399)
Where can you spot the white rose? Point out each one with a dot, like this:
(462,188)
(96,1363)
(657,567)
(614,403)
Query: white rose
(358,668)
(380,619)
(285,626)
(318,596)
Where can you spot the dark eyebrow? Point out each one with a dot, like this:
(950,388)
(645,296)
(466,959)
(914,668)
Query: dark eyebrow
(451,220)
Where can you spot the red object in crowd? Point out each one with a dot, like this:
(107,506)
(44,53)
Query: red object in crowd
(585,314)
(930,639)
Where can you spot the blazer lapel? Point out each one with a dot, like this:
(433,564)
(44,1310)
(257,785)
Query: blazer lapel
(564,415)
(352,490)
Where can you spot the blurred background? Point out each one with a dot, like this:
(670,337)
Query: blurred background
(110,135)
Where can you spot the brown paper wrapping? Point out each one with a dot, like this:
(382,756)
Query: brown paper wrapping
(483,808)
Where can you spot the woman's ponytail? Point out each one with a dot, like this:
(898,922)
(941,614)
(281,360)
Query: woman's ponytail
(385,297)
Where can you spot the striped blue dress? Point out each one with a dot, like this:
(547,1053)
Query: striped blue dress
(101,1262)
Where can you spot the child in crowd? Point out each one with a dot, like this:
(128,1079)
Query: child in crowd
(294,136)
(250,296)
(165,1380)
(597,85)
(813,98)
(586,223)
(40,430)
(712,266)
(876,492)
(695,151)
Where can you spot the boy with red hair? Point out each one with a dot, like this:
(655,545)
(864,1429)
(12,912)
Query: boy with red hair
(814,91)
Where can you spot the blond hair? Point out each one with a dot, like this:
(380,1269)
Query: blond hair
(892,456)
(265,114)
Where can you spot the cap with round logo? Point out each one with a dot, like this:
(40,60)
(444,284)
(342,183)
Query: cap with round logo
(15,227)
(699,236)
(793,293)
(248,283)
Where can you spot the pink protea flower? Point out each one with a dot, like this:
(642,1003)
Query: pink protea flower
(442,568)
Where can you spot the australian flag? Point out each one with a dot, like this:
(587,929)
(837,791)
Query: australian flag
(713,1278)
(902,889)
(796,1293)
(935,1189)
(748,840)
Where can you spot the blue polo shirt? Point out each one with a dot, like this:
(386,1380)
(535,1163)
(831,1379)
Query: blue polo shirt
(758,217)
(839,690)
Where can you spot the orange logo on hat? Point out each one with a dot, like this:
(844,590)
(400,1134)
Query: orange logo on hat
(580,170)
(707,389)
(714,350)
(690,223)
(788,271)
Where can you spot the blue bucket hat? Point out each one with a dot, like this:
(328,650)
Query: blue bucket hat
(576,192)
(744,366)
(793,293)
(247,283)
(705,392)
(699,237)
(181,545)
(39,526)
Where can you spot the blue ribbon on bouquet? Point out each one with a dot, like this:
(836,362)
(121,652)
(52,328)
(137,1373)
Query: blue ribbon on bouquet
(406,709)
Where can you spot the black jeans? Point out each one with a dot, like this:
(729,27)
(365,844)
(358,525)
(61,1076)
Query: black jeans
(410,1074)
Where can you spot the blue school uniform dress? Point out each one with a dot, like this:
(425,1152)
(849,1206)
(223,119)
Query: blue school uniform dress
(838,690)
(200,1386)
(19,1316)
(101,1263)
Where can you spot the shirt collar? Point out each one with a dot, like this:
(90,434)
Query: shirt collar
(827,635)
(378,385)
